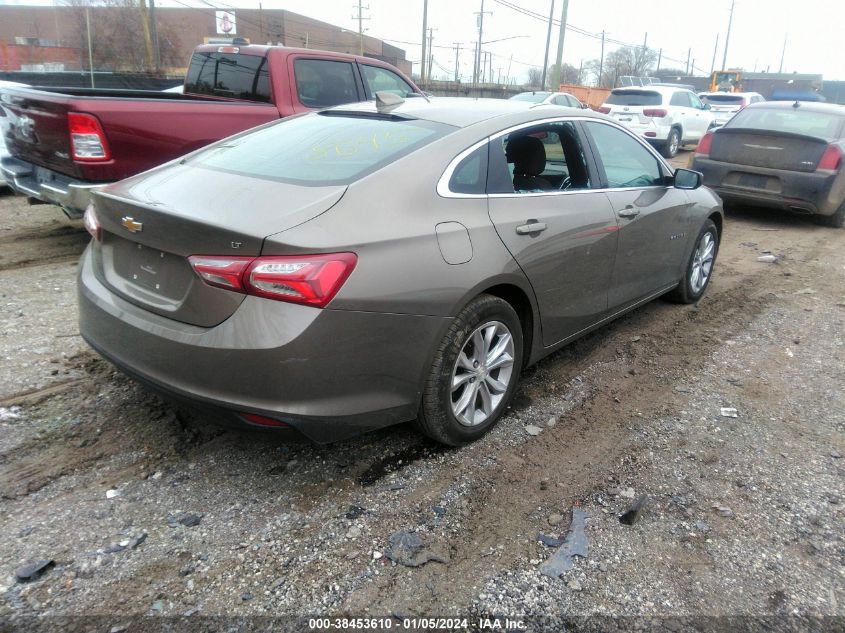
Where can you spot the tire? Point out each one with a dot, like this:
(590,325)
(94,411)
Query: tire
(673,143)
(440,416)
(837,220)
(689,290)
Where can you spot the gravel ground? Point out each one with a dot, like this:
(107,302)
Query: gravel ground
(144,510)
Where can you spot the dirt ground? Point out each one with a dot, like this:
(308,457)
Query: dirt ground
(146,513)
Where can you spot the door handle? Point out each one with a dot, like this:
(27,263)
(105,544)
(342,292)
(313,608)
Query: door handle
(531,227)
(629,212)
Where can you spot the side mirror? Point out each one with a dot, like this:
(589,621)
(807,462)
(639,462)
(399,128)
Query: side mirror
(688,179)
(706,106)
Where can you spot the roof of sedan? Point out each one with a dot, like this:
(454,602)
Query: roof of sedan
(812,106)
(457,111)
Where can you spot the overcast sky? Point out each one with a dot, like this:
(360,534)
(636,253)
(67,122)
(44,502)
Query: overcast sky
(814,29)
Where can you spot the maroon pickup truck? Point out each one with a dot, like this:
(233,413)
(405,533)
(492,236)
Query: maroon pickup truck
(64,142)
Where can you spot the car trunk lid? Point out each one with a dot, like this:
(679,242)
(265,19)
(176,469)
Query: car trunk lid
(152,224)
(766,148)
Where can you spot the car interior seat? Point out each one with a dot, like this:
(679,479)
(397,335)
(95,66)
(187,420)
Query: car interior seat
(529,160)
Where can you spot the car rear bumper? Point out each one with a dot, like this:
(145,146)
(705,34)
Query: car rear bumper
(651,130)
(329,374)
(804,192)
(48,186)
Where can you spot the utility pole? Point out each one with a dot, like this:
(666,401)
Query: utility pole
(548,41)
(645,48)
(689,52)
(431,31)
(728,37)
(90,48)
(457,60)
(360,17)
(601,62)
(477,67)
(783,54)
(154,33)
(148,43)
(715,48)
(560,38)
(659,59)
(425,29)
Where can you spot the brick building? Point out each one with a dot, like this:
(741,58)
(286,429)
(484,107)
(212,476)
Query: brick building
(24,31)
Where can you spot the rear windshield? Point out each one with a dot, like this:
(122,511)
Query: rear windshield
(320,149)
(634,98)
(229,75)
(822,125)
(720,99)
(533,97)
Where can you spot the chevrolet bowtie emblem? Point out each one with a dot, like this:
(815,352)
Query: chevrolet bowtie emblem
(131,225)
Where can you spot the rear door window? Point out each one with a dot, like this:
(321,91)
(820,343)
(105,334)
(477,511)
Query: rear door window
(229,75)
(546,157)
(680,99)
(322,83)
(634,98)
(695,101)
(380,79)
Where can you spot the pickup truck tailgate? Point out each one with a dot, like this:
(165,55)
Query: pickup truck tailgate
(35,128)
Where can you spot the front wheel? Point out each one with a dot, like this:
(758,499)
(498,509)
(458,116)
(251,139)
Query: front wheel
(700,266)
(672,144)
(474,374)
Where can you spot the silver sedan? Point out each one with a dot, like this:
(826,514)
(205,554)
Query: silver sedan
(371,264)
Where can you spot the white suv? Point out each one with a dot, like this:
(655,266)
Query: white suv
(724,105)
(666,116)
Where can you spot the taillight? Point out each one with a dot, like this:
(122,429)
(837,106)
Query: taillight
(604,110)
(831,159)
(312,280)
(87,139)
(92,224)
(657,113)
(222,272)
(704,144)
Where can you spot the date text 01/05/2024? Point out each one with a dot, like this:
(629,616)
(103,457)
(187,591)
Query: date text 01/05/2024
(416,624)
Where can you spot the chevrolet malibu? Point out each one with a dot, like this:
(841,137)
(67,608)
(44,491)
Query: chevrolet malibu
(383,262)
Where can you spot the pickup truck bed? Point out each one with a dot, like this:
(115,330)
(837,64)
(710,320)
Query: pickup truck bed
(124,132)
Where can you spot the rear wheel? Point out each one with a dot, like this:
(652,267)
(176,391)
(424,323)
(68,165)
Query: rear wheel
(700,266)
(837,220)
(474,374)
(672,144)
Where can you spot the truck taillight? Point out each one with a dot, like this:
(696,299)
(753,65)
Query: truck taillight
(704,144)
(831,159)
(87,139)
(312,280)
(657,113)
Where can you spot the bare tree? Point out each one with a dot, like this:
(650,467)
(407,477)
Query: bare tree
(535,76)
(568,74)
(118,38)
(627,60)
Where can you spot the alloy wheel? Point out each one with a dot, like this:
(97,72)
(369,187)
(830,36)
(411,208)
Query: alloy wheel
(702,262)
(482,373)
